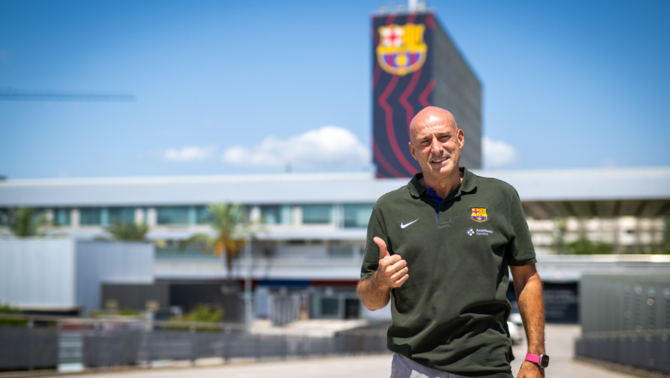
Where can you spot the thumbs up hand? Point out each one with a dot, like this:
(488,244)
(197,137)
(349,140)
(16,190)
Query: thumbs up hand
(392,270)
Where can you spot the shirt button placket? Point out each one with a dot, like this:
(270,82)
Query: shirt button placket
(444,215)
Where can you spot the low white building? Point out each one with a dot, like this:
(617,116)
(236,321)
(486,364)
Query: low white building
(315,224)
(65,275)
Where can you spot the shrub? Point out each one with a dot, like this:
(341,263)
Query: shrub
(587,247)
(5,309)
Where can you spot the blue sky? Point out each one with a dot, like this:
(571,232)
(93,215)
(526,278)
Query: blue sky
(567,84)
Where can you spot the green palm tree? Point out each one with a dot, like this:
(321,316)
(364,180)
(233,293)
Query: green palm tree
(230,226)
(25,222)
(128,230)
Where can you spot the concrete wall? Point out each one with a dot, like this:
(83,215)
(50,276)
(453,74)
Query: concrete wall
(100,262)
(38,273)
(64,274)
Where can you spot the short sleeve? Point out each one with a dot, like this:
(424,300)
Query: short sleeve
(371,258)
(520,250)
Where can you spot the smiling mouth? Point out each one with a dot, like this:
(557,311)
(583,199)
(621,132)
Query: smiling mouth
(439,160)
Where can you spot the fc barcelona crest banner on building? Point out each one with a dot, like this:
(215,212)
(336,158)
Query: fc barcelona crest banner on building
(401,49)
(402,85)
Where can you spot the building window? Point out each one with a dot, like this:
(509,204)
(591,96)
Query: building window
(330,307)
(122,214)
(357,216)
(62,217)
(341,251)
(317,214)
(172,215)
(276,214)
(90,216)
(203,216)
(4,217)
(271,214)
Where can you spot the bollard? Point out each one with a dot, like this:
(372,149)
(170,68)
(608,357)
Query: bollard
(226,352)
(193,345)
(284,346)
(31,345)
(100,345)
(257,347)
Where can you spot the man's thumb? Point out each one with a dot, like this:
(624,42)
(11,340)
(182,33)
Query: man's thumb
(383,252)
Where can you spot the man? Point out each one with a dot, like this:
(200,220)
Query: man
(440,249)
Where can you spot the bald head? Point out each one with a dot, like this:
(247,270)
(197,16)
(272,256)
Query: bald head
(436,142)
(431,117)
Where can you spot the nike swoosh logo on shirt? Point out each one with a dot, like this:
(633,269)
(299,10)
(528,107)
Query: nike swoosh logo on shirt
(403,225)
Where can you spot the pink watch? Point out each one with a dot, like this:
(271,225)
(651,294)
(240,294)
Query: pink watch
(542,360)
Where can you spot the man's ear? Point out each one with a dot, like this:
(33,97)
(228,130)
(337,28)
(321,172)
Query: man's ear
(411,150)
(461,138)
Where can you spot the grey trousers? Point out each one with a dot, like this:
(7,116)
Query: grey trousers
(403,367)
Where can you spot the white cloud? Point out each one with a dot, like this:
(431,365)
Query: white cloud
(189,153)
(608,163)
(328,146)
(497,153)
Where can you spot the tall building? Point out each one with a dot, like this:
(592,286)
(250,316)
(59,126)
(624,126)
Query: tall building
(415,64)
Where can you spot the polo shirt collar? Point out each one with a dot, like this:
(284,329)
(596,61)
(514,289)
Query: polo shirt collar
(468,184)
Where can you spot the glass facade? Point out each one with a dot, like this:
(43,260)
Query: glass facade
(4,217)
(62,217)
(122,214)
(271,214)
(90,216)
(330,307)
(357,216)
(353,215)
(172,215)
(203,215)
(317,214)
(342,251)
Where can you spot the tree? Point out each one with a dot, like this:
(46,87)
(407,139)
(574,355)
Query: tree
(230,226)
(559,235)
(128,231)
(25,222)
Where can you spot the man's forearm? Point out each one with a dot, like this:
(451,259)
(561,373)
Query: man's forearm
(373,296)
(531,307)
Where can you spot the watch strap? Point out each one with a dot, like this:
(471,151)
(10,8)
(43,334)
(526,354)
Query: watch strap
(533,358)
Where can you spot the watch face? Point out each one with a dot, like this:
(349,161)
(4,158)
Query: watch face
(544,360)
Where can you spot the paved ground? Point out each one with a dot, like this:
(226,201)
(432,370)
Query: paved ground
(560,344)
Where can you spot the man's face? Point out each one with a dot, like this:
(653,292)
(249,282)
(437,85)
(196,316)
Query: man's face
(436,144)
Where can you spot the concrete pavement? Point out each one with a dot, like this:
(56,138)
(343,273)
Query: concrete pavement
(560,344)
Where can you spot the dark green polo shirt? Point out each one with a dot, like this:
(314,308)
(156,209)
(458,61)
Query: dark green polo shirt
(451,314)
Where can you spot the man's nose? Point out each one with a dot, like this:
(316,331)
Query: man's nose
(435,147)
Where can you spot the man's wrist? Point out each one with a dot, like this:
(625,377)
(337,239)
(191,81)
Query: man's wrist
(539,360)
(378,282)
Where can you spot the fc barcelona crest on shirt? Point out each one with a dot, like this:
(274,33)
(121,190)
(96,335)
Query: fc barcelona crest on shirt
(479,214)
(401,48)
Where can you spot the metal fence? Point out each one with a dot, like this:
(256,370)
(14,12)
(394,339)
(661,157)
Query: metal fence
(47,342)
(284,308)
(648,350)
